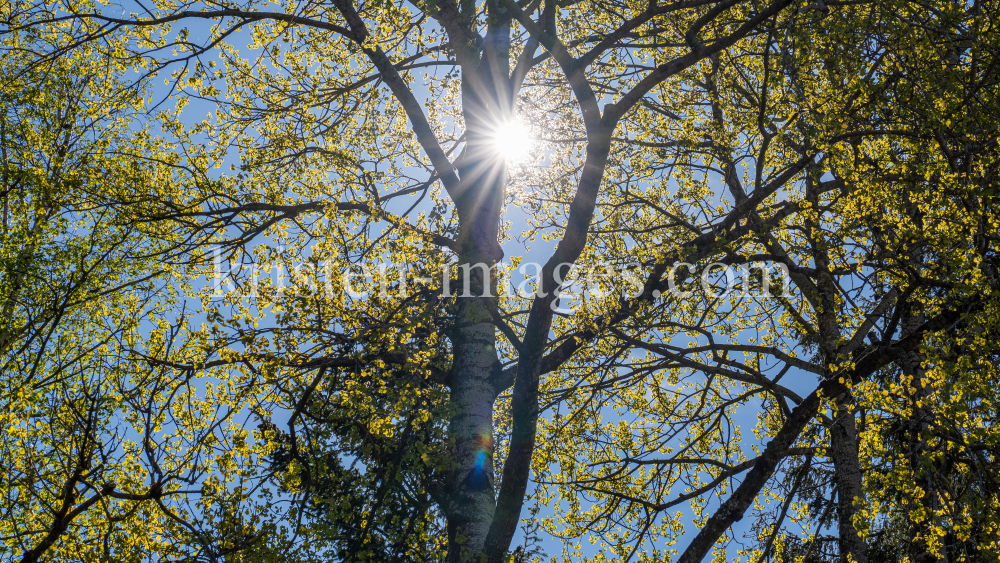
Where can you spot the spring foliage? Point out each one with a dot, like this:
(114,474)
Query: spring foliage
(841,155)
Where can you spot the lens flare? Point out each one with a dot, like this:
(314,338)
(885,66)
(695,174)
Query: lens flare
(513,141)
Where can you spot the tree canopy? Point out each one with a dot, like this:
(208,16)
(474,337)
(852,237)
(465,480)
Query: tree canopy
(763,324)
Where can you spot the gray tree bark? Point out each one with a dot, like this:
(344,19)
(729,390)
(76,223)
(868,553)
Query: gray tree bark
(847,475)
(472,395)
(479,199)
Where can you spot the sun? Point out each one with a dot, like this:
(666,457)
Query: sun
(513,141)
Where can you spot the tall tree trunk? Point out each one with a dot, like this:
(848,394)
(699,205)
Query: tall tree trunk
(472,396)
(473,502)
(843,430)
(847,474)
(486,105)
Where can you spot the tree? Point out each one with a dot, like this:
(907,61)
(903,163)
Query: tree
(817,139)
(99,441)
